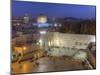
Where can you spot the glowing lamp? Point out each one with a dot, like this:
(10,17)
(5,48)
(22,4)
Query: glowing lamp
(42,32)
(24,48)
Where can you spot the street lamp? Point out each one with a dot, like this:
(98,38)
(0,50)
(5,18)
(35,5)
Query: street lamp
(55,25)
(24,48)
(40,42)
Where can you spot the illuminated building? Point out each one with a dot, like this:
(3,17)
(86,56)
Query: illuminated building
(26,18)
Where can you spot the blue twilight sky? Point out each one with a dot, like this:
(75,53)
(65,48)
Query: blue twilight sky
(19,8)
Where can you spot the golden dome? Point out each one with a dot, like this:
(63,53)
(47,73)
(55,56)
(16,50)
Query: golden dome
(42,19)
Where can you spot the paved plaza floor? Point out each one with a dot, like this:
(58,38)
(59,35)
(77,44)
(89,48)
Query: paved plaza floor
(48,64)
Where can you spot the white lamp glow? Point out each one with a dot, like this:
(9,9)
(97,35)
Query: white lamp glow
(42,32)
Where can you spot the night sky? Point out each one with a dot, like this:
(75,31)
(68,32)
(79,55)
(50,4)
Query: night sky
(19,8)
